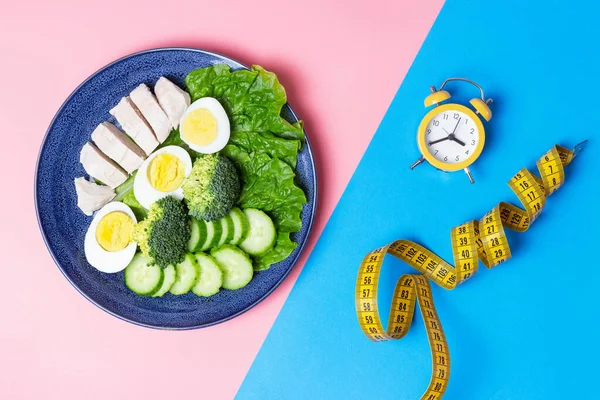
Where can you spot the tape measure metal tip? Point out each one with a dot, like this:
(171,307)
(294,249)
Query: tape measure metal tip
(579,148)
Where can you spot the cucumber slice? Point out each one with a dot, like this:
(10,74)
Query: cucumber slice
(240,225)
(227,230)
(143,278)
(198,235)
(213,234)
(169,279)
(194,235)
(262,235)
(211,276)
(217,230)
(235,264)
(188,272)
(210,234)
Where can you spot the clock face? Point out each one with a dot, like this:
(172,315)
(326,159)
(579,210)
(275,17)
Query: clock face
(452,137)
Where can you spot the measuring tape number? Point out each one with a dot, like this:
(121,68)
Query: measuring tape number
(483,240)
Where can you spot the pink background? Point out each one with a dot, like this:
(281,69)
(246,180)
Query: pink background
(341,65)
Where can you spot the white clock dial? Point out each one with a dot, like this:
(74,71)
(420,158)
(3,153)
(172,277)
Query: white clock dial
(452,137)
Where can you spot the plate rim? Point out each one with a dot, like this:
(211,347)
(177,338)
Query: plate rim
(301,247)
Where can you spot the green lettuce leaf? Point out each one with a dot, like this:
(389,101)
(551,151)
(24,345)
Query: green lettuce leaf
(282,250)
(269,186)
(200,81)
(125,195)
(124,187)
(285,150)
(232,89)
(138,210)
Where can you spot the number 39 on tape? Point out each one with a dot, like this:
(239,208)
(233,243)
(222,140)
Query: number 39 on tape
(483,240)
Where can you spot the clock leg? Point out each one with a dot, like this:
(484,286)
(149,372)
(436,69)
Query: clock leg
(468,172)
(419,161)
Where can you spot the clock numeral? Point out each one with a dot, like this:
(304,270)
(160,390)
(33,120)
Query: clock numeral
(428,131)
(437,151)
(472,131)
(445,116)
(456,115)
(466,121)
(472,143)
(467,152)
(436,123)
(446,158)
(457,158)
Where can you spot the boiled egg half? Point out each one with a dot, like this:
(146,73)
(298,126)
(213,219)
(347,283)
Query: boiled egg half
(108,245)
(205,126)
(161,175)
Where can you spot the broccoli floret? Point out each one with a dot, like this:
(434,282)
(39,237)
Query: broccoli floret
(212,188)
(164,234)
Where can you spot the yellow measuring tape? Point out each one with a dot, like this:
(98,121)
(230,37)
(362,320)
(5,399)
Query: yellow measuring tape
(484,239)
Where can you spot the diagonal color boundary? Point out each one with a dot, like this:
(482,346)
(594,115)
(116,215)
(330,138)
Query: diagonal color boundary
(495,323)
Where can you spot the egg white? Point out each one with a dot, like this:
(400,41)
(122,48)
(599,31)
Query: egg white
(223,126)
(144,192)
(102,260)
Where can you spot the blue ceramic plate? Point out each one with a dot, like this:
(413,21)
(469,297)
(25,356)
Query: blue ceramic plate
(63,225)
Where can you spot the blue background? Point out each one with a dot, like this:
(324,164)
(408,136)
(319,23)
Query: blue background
(528,328)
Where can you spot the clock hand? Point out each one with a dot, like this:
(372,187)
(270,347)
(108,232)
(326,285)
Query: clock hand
(456,125)
(458,141)
(452,136)
(439,140)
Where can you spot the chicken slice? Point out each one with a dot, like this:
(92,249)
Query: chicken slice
(92,197)
(100,167)
(135,125)
(118,146)
(145,101)
(172,99)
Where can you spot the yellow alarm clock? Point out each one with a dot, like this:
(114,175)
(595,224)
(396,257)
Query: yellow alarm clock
(451,136)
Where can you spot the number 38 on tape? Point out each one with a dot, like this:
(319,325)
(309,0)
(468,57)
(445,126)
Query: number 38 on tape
(483,240)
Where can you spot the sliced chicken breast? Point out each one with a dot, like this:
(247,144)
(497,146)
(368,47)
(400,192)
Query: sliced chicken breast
(100,167)
(92,197)
(118,146)
(135,125)
(145,101)
(172,99)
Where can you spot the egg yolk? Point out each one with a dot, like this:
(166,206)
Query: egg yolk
(166,172)
(114,231)
(199,127)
